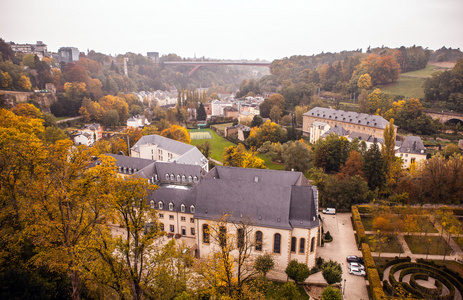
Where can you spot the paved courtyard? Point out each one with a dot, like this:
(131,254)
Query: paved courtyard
(343,244)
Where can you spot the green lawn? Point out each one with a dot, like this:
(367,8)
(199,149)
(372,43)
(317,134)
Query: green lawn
(426,72)
(459,242)
(406,86)
(217,142)
(222,127)
(452,265)
(392,245)
(430,245)
(367,223)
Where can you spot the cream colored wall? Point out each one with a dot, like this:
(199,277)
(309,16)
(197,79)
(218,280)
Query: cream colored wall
(407,158)
(281,259)
(177,221)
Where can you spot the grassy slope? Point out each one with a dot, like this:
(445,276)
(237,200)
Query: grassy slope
(410,84)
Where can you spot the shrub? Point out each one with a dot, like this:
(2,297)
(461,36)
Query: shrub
(367,258)
(330,293)
(264,263)
(297,271)
(332,272)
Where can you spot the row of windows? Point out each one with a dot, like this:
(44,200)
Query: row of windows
(171,206)
(183,229)
(181,178)
(258,240)
(171,217)
(347,126)
(127,170)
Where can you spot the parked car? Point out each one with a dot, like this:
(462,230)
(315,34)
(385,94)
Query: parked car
(356,265)
(358,272)
(354,258)
(329,211)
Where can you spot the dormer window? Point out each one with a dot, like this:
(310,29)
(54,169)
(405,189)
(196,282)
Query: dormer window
(182,207)
(195,179)
(120,169)
(256,178)
(190,179)
(172,177)
(167,176)
(183,178)
(156,177)
(178,177)
(171,206)
(152,204)
(192,209)
(160,205)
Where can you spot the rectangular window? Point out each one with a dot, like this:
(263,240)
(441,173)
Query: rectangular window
(161,216)
(172,228)
(183,219)
(171,217)
(183,231)
(192,230)
(162,226)
(192,220)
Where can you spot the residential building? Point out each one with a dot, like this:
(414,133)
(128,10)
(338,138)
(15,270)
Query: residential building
(159,148)
(137,121)
(411,150)
(351,121)
(84,138)
(94,129)
(217,107)
(89,134)
(68,54)
(317,130)
(230,112)
(239,131)
(39,49)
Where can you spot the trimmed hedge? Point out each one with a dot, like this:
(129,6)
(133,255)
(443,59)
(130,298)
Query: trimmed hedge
(375,284)
(365,209)
(358,226)
(395,261)
(367,257)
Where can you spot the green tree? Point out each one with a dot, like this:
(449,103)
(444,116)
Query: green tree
(332,271)
(330,153)
(205,148)
(264,263)
(256,121)
(331,293)
(296,156)
(201,113)
(297,271)
(343,192)
(374,167)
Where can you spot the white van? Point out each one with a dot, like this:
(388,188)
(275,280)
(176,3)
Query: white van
(329,211)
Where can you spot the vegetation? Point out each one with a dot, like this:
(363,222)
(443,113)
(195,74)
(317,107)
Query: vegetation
(297,271)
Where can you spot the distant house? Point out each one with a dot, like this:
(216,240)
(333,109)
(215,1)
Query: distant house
(317,130)
(411,150)
(83,138)
(230,112)
(217,107)
(239,131)
(159,148)
(89,134)
(137,121)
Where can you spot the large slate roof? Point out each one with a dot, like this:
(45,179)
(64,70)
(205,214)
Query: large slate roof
(269,198)
(170,145)
(130,162)
(348,117)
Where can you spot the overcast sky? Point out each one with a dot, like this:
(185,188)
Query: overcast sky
(246,29)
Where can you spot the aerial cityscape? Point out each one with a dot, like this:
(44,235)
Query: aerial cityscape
(231,150)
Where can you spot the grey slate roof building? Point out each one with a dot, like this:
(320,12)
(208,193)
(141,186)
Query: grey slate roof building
(348,117)
(412,144)
(269,198)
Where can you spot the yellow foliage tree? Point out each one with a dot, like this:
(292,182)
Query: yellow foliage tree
(5,80)
(364,82)
(177,133)
(24,83)
(27,110)
(239,157)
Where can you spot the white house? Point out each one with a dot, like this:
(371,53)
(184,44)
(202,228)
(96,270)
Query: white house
(317,130)
(137,121)
(159,148)
(411,150)
(217,107)
(84,138)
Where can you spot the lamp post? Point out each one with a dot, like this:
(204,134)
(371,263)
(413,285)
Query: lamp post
(344,289)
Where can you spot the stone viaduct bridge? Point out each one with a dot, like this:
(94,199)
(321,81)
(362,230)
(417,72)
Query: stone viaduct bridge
(444,116)
(198,64)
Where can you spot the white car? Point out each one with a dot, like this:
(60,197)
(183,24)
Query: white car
(356,271)
(356,266)
(329,211)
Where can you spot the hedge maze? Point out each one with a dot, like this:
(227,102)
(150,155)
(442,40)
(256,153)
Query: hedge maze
(411,277)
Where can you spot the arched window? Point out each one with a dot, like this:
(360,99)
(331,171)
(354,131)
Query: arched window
(182,207)
(312,244)
(293,244)
(160,205)
(195,179)
(178,177)
(172,177)
(130,170)
(190,179)
(152,204)
(206,233)
(222,236)
(277,243)
(171,206)
(192,209)
(258,240)
(183,178)
(302,245)
(120,169)
(125,170)
(240,243)
(167,176)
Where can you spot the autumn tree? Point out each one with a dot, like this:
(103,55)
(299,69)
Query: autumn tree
(275,100)
(177,133)
(264,263)
(27,110)
(343,192)
(269,131)
(330,153)
(364,82)
(238,156)
(353,166)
